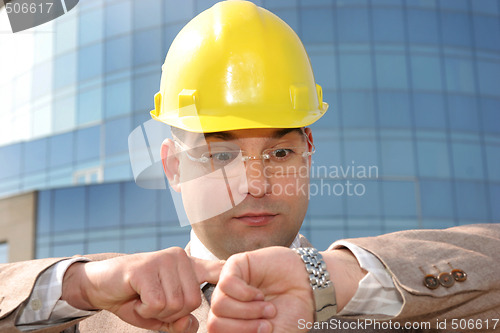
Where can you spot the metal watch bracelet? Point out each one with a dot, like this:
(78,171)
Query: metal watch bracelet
(319,278)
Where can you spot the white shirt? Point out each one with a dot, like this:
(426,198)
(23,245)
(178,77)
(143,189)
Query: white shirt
(376,292)
(44,307)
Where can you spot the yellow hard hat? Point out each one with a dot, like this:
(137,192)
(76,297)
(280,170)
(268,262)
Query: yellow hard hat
(237,66)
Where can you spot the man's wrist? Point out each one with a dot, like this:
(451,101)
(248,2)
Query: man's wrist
(73,287)
(345,273)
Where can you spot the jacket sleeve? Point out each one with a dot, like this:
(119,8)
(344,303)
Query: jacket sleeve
(411,255)
(16,284)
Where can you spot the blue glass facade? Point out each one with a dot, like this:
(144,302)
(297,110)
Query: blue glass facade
(110,217)
(413,93)
(412,89)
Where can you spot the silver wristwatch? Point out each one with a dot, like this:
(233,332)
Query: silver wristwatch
(319,278)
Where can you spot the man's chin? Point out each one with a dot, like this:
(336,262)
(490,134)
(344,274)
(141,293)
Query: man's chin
(252,246)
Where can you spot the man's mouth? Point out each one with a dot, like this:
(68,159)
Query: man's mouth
(256,219)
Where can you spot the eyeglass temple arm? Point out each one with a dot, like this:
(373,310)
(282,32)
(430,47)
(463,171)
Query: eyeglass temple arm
(313,150)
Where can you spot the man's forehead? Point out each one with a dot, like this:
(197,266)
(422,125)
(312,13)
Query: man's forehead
(271,133)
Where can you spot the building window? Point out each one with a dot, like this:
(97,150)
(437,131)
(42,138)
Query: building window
(4,252)
(88,176)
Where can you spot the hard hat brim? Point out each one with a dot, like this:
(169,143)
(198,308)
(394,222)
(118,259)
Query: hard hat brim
(207,123)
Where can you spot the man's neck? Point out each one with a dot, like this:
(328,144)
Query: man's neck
(200,251)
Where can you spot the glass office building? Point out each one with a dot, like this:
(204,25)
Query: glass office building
(411,139)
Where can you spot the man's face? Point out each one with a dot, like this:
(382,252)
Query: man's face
(249,204)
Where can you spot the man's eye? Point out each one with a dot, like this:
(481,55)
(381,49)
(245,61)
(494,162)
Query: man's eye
(223,157)
(282,153)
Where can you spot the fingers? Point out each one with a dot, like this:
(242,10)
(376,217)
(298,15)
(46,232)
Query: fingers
(234,280)
(152,297)
(225,306)
(224,325)
(187,324)
(207,270)
(237,306)
(127,312)
(189,295)
(172,291)
(161,295)
(238,289)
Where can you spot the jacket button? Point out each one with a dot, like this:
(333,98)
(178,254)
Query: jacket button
(446,279)
(459,275)
(431,282)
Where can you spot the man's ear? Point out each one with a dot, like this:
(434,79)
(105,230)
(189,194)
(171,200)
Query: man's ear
(310,141)
(170,162)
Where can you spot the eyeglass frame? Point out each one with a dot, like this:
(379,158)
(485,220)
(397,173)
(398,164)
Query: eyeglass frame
(246,158)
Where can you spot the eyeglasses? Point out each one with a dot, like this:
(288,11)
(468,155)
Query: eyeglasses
(228,157)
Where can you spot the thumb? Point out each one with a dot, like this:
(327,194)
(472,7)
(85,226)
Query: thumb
(207,270)
(186,324)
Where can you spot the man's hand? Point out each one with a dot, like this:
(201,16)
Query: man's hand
(261,291)
(268,290)
(156,290)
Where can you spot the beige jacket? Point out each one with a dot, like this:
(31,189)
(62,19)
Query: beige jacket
(407,255)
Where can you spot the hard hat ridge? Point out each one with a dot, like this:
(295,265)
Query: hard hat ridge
(237,66)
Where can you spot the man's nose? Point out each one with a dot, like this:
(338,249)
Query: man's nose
(257,184)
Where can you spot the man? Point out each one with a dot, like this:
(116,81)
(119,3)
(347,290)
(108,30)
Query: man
(239,92)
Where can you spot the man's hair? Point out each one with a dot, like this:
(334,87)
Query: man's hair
(181,134)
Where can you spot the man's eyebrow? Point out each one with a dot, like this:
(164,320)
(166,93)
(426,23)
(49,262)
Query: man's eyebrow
(229,136)
(282,132)
(220,135)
